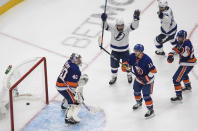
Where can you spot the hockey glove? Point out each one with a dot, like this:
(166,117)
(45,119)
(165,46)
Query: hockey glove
(179,50)
(170,58)
(125,64)
(136,15)
(104,17)
(160,14)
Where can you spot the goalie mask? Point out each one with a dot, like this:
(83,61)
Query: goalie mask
(76,59)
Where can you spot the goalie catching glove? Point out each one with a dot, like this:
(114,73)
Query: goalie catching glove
(83,80)
(79,90)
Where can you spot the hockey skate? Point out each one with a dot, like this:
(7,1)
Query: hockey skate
(70,121)
(113,80)
(159,53)
(130,79)
(149,114)
(137,106)
(176,99)
(187,88)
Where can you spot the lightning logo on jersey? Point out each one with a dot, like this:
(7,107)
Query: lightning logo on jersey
(120,36)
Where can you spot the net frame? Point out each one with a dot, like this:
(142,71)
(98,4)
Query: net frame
(43,59)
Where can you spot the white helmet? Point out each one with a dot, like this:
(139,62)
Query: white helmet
(119,21)
(163,3)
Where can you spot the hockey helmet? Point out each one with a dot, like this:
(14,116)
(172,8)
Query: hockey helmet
(120,24)
(119,21)
(181,36)
(182,33)
(138,47)
(163,3)
(76,59)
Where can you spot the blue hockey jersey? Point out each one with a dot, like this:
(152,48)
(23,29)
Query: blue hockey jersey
(141,67)
(186,57)
(70,75)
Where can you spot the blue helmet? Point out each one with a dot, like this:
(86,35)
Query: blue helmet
(182,34)
(139,47)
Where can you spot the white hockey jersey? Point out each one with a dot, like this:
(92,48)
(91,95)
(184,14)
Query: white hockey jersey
(168,24)
(120,40)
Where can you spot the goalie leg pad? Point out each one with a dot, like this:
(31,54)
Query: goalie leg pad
(76,109)
(72,113)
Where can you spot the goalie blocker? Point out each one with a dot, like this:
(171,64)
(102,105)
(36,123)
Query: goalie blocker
(70,84)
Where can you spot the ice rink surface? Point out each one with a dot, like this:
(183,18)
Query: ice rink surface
(56,28)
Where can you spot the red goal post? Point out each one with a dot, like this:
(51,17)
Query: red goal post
(43,59)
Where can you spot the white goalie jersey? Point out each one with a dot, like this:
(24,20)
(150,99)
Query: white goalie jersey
(168,24)
(120,40)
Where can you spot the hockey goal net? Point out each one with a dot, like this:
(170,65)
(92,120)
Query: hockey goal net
(28,91)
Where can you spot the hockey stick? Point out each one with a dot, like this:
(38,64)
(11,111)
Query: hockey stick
(112,56)
(92,110)
(105,7)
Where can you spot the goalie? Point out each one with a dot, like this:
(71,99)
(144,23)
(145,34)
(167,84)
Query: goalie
(70,84)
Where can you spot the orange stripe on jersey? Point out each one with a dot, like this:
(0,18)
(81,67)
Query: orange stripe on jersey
(188,52)
(154,71)
(152,88)
(186,81)
(178,88)
(140,81)
(138,97)
(181,74)
(71,95)
(192,60)
(147,79)
(72,84)
(176,50)
(149,103)
(60,84)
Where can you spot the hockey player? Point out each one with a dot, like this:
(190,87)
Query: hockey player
(70,84)
(120,42)
(144,71)
(187,61)
(168,27)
